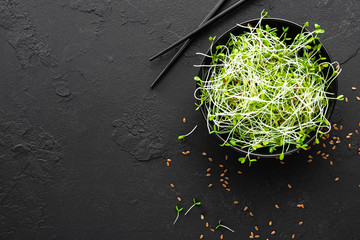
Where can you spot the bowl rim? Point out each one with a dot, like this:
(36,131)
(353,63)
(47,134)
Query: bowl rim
(329,111)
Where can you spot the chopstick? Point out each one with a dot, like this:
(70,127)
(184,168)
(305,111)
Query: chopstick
(186,44)
(212,20)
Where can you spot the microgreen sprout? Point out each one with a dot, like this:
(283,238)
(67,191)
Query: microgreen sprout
(178,210)
(195,204)
(264,89)
(223,226)
(183,136)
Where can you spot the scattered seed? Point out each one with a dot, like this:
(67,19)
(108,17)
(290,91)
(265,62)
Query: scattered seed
(331,163)
(300,206)
(172,185)
(168,164)
(293,236)
(202,217)
(256,228)
(277,206)
(228,189)
(184,120)
(289,186)
(353,88)
(226,182)
(210,159)
(309,160)
(236,202)
(210,185)
(221,236)
(208,170)
(341,127)
(221,165)
(358,98)
(273,232)
(227,178)
(333,148)
(356,131)
(204,153)
(223,174)
(226,157)
(212,229)
(179,199)
(257,236)
(201,236)
(270,223)
(225,171)
(251,214)
(349,145)
(246,208)
(224,185)
(346,99)
(336,179)
(324,145)
(239,172)
(207,224)
(300,223)
(208,174)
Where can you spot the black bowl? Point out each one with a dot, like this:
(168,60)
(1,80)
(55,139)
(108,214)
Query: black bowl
(293,30)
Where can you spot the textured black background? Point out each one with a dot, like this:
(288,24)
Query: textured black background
(84,141)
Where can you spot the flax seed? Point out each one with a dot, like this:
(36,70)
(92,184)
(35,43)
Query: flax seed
(236,202)
(300,206)
(226,157)
(336,128)
(210,185)
(356,131)
(207,224)
(246,208)
(273,232)
(184,120)
(300,223)
(172,185)
(289,186)
(277,206)
(324,145)
(204,153)
(225,171)
(353,88)
(201,236)
(208,174)
(341,127)
(179,199)
(256,228)
(257,236)
(202,217)
(309,160)
(348,137)
(270,223)
(227,178)
(346,99)
(168,164)
(212,229)
(331,163)
(318,152)
(223,174)
(221,165)
(358,98)
(210,159)
(336,179)
(224,185)
(251,214)
(221,180)
(239,172)
(228,189)
(293,236)
(349,145)
(226,182)
(221,236)
(208,170)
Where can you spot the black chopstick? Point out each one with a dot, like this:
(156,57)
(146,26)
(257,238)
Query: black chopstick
(186,44)
(212,20)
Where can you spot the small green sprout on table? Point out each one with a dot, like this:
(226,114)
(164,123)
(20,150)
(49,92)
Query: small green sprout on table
(177,215)
(183,136)
(195,204)
(223,226)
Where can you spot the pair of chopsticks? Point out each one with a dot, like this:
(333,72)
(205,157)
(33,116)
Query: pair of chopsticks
(188,38)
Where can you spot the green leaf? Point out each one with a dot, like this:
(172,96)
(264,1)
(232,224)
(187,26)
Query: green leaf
(242,160)
(281,157)
(181,137)
(317,141)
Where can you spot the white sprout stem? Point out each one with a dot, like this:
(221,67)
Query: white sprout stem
(177,216)
(190,131)
(189,209)
(227,228)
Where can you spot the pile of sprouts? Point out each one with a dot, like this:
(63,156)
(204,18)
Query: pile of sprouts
(266,90)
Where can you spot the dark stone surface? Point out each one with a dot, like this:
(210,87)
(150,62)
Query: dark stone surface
(84,141)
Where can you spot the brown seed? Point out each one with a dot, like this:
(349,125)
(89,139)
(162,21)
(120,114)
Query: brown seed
(246,208)
(336,128)
(257,236)
(223,174)
(210,159)
(210,185)
(333,148)
(293,236)
(273,232)
(204,153)
(349,145)
(348,137)
(324,145)
(256,228)
(224,185)
(221,180)
(221,165)
(300,223)
(277,206)
(207,224)
(323,138)
(270,223)
(336,179)
(358,98)
(289,186)
(201,236)
(323,154)
(251,237)
(228,189)
(318,152)
(300,206)
(346,99)
(251,214)
(282,162)
(168,160)
(168,164)
(184,120)
(179,199)
(172,185)
(350,134)
(208,170)
(221,236)
(227,178)
(212,229)
(236,202)
(309,161)
(208,174)
(202,217)
(331,163)
(239,172)
(356,131)
(353,88)
(225,171)
(226,157)
(341,127)
(310,156)
(226,182)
